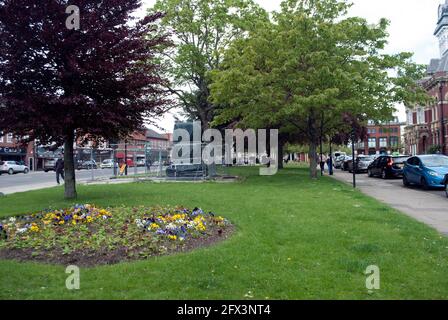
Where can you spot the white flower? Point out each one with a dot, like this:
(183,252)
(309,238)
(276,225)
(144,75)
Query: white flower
(22,230)
(139,223)
(191,224)
(12,219)
(171,226)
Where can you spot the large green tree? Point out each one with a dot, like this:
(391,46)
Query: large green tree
(310,68)
(201,30)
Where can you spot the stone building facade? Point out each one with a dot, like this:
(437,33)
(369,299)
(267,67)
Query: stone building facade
(426,128)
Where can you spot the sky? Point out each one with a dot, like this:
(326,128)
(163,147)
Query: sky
(412,25)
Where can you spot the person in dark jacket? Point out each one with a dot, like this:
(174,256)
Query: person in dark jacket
(330,164)
(59,168)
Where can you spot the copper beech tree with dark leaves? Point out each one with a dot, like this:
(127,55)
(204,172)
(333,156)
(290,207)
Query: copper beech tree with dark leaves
(58,85)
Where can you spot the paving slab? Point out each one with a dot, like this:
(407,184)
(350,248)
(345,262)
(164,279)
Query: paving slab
(429,207)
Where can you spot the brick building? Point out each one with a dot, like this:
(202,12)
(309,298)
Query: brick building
(382,138)
(156,146)
(11,149)
(426,128)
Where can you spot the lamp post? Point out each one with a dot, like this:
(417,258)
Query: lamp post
(353,159)
(330,169)
(442,117)
(126,156)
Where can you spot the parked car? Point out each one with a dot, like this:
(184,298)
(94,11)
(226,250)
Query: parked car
(338,154)
(387,166)
(427,171)
(86,164)
(337,163)
(12,167)
(344,165)
(186,170)
(108,164)
(446,185)
(140,162)
(49,164)
(361,163)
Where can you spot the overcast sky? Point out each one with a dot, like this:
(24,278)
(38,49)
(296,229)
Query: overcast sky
(412,26)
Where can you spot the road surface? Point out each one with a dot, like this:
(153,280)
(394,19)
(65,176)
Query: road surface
(429,207)
(38,180)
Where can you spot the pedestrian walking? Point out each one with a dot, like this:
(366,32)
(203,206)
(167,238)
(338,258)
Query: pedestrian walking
(323,159)
(330,164)
(122,169)
(59,168)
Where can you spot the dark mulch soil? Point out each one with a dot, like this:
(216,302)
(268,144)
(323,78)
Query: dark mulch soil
(107,257)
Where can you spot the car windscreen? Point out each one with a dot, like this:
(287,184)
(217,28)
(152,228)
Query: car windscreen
(400,159)
(436,161)
(366,158)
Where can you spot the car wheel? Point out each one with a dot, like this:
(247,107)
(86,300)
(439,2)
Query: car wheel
(446,189)
(383,174)
(10,171)
(406,182)
(26,171)
(369,173)
(424,184)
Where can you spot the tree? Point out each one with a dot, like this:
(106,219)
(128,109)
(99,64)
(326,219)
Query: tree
(59,84)
(310,68)
(202,29)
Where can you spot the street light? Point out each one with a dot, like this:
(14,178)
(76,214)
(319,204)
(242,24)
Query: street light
(353,159)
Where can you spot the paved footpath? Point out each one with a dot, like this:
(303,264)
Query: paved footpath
(429,207)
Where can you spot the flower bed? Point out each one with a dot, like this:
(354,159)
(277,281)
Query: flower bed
(88,235)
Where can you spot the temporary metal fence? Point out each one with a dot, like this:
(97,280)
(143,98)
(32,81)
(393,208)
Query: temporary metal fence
(146,161)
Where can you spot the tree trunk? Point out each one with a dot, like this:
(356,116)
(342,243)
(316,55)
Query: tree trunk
(313,159)
(280,155)
(69,167)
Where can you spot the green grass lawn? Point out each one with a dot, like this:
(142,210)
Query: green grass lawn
(295,239)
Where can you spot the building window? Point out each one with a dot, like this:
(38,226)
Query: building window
(420,116)
(394,142)
(372,142)
(9,137)
(409,117)
(383,142)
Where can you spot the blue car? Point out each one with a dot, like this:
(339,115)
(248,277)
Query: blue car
(446,185)
(428,171)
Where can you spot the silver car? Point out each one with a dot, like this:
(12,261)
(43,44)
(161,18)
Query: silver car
(12,167)
(362,164)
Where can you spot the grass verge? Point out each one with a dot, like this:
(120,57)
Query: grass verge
(294,239)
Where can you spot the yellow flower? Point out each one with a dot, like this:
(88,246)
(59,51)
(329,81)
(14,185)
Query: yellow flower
(61,222)
(172,238)
(74,222)
(46,222)
(104,212)
(34,228)
(89,219)
(200,227)
(154,226)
